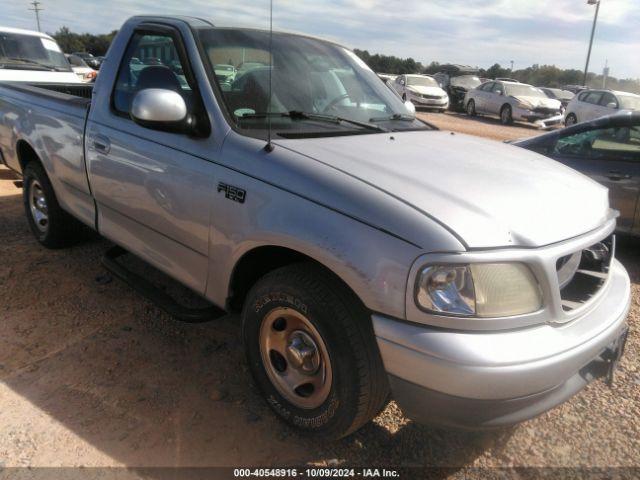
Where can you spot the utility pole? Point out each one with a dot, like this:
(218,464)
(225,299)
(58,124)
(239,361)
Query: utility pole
(511,68)
(593,31)
(605,73)
(36,8)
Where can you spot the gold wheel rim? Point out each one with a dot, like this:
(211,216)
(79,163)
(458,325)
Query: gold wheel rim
(295,358)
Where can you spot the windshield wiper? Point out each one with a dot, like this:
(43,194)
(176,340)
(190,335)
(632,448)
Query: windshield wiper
(403,117)
(299,115)
(26,61)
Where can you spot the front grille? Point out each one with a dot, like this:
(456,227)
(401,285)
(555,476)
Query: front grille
(583,273)
(431,97)
(546,111)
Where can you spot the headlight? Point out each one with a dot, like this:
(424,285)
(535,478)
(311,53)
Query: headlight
(481,290)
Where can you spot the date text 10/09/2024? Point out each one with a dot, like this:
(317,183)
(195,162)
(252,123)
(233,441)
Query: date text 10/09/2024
(316,473)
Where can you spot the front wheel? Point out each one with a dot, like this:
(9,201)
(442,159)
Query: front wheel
(506,115)
(570,120)
(312,351)
(471,108)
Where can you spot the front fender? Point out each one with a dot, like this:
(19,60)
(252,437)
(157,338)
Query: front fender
(374,264)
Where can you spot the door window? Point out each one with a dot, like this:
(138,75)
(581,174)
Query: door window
(487,86)
(151,61)
(498,89)
(621,143)
(593,97)
(608,98)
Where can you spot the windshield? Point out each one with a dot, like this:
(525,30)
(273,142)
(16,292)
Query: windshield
(466,81)
(329,84)
(559,94)
(523,90)
(19,51)
(420,81)
(630,102)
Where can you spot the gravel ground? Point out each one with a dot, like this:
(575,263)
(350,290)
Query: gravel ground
(93,375)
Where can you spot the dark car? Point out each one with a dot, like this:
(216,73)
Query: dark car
(457,80)
(89,59)
(564,96)
(574,88)
(607,150)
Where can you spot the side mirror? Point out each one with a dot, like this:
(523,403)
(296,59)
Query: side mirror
(612,105)
(411,107)
(161,109)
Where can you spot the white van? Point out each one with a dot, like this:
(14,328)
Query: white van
(34,57)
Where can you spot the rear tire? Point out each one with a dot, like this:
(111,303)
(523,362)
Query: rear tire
(570,120)
(506,115)
(52,226)
(303,312)
(471,108)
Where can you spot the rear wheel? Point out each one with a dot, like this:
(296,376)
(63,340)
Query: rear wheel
(52,226)
(312,351)
(506,115)
(570,120)
(471,108)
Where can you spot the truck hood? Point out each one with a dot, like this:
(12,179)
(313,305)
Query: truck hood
(487,193)
(538,102)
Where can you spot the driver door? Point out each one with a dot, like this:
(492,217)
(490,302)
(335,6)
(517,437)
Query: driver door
(153,192)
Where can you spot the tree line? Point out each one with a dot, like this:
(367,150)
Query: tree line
(70,42)
(539,75)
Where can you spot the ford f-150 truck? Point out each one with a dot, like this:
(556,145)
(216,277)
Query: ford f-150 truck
(368,253)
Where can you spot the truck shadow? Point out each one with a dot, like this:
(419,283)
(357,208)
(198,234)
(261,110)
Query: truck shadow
(120,382)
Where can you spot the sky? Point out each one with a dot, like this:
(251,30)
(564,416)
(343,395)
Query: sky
(472,32)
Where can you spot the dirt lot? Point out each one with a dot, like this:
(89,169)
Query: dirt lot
(93,375)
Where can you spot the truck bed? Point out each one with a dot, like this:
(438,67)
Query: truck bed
(50,119)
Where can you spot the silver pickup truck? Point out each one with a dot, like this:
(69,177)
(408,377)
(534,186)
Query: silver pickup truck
(368,253)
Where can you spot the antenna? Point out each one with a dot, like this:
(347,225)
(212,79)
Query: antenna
(269,146)
(36,8)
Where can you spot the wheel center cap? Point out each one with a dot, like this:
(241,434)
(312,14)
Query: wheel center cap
(302,352)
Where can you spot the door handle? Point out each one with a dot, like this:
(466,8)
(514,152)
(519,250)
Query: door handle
(101,144)
(617,176)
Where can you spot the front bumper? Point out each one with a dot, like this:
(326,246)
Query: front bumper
(543,120)
(491,379)
(436,103)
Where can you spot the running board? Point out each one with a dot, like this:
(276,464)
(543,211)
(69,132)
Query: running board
(154,294)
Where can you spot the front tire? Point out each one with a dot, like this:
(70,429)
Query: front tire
(312,351)
(570,120)
(471,108)
(52,226)
(506,115)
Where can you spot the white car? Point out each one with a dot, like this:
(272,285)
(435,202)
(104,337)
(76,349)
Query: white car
(513,101)
(422,91)
(591,104)
(27,56)
(84,72)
